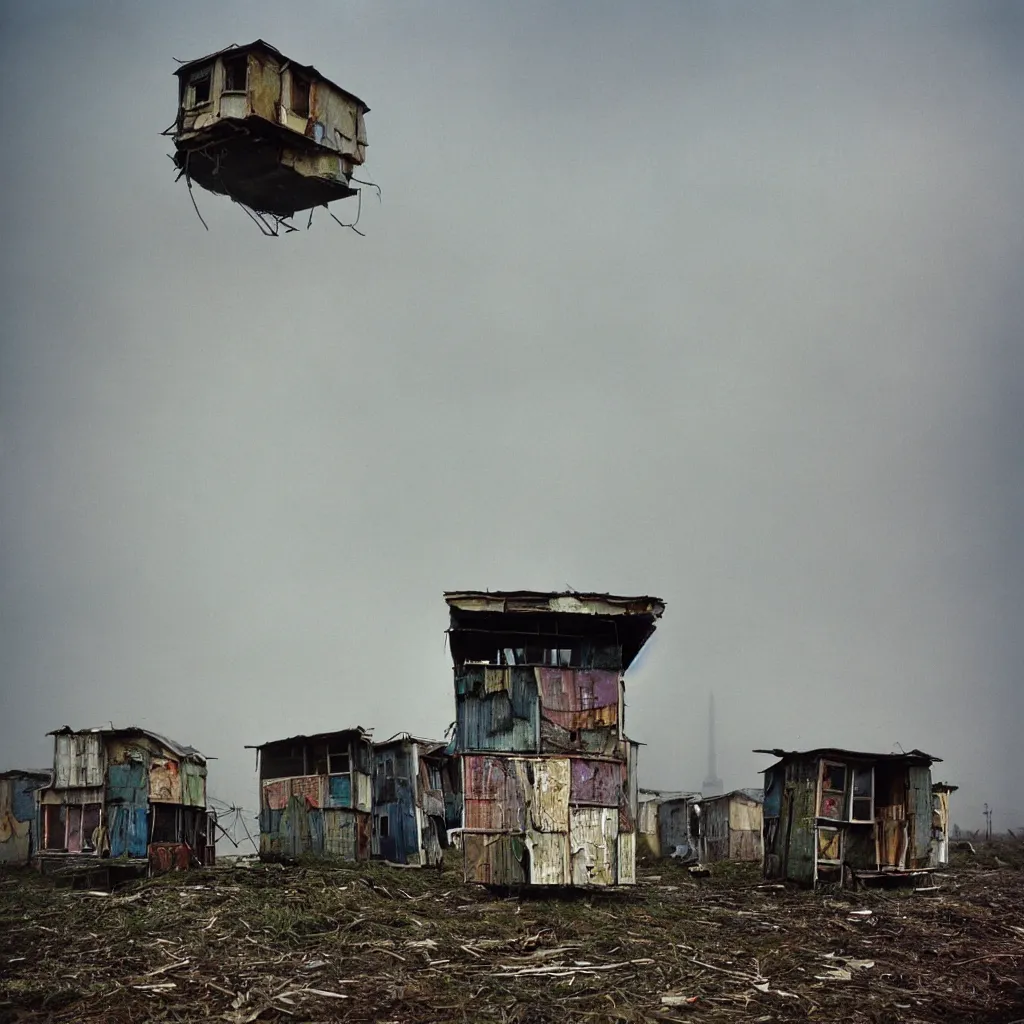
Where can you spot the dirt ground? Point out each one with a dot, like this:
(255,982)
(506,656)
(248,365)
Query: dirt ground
(266,943)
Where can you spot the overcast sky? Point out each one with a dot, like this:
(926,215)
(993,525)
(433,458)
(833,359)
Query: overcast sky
(718,302)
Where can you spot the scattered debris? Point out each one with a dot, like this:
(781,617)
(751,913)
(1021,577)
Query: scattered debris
(262,943)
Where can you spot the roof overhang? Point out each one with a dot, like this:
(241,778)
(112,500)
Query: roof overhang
(356,731)
(517,616)
(918,757)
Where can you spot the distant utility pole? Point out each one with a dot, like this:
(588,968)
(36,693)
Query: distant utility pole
(988,822)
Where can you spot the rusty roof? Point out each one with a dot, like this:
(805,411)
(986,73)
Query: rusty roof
(900,755)
(566,601)
(313,737)
(260,44)
(407,737)
(181,749)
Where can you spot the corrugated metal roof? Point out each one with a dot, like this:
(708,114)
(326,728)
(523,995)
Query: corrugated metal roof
(260,44)
(429,746)
(305,738)
(902,755)
(181,749)
(577,602)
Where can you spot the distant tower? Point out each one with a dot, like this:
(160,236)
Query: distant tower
(712,785)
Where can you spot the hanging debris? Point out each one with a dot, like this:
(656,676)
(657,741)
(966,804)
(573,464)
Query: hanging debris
(273,135)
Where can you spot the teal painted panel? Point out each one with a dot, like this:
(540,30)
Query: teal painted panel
(126,783)
(340,794)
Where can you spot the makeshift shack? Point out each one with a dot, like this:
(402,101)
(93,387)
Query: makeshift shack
(848,817)
(648,819)
(549,776)
(19,833)
(316,794)
(126,795)
(274,135)
(729,827)
(413,782)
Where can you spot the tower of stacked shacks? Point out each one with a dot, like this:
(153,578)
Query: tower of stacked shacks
(549,775)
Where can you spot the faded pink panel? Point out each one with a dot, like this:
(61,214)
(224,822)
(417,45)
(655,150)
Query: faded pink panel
(595,782)
(569,689)
(557,688)
(597,689)
(309,789)
(494,796)
(275,795)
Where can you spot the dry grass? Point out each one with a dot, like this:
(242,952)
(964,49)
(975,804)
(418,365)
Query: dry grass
(266,943)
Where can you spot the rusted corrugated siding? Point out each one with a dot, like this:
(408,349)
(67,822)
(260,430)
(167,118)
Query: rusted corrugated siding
(496,709)
(495,800)
(494,859)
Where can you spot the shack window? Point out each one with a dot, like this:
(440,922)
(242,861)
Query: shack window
(199,88)
(833,791)
(166,826)
(300,95)
(389,767)
(236,70)
(338,763)
(383,826)
(862,806)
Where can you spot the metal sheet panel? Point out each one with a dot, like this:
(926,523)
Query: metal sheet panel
(339,791)
(494,859)
(593,845)
(364,792)
(340,833)
(128,830)
(570,689)
(627,858)
(548,794)
(164,781)
(549,858)
(499,719)
(276,794)
(919,812)
(78,760)
(559,739)
(193,784)
(596,782)
(494,794)
(126,784)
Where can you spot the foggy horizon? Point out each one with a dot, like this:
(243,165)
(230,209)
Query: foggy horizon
(715,303)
